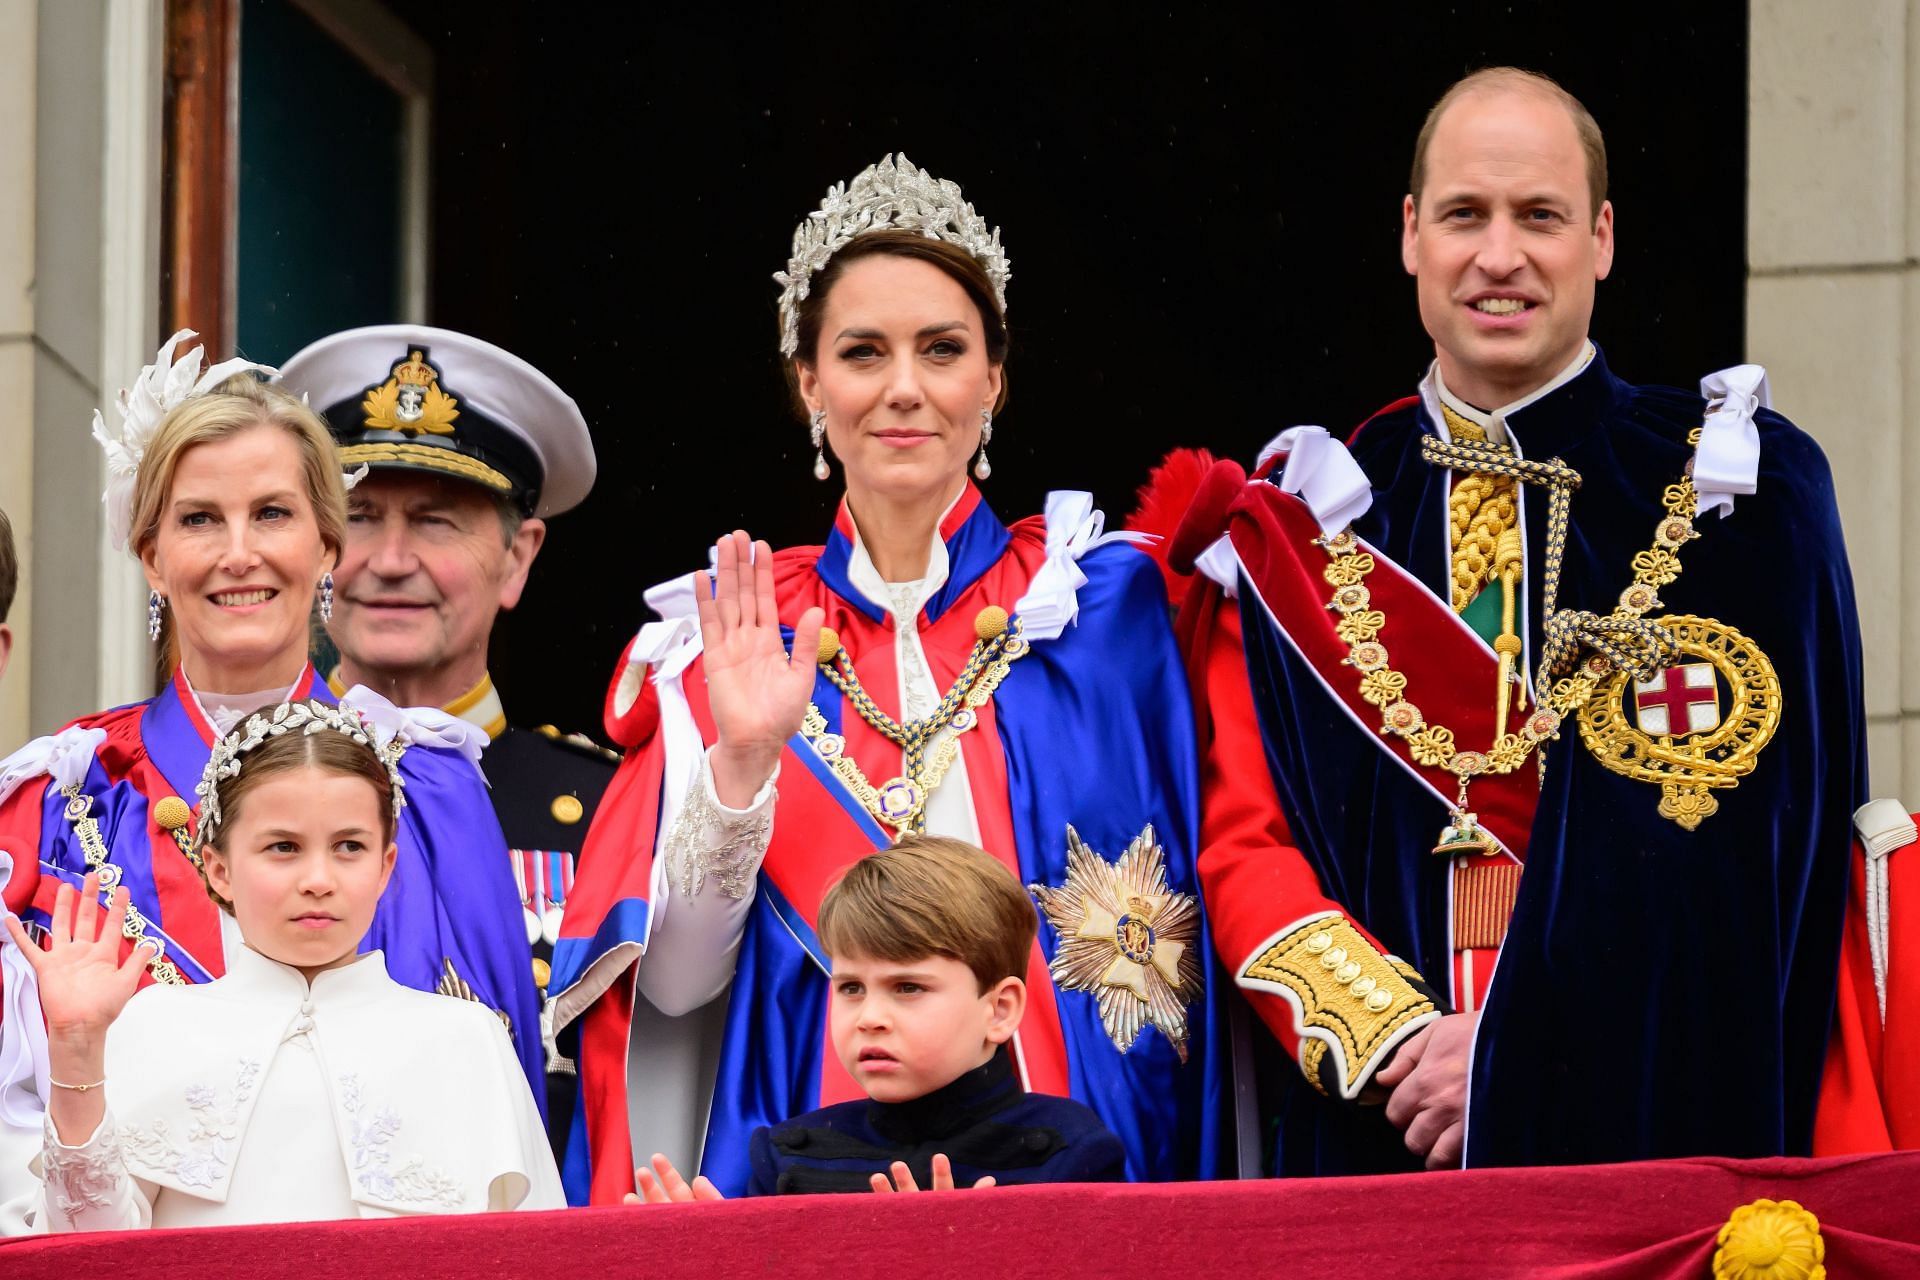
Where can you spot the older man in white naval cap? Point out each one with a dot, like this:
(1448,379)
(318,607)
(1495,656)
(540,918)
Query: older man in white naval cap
(469,450)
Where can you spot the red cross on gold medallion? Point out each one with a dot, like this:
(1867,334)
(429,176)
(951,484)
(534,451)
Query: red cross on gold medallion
(1678,701)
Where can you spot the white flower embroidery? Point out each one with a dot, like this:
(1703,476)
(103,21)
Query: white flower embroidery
(202,1160)
(198,1168)
(82,1178)
(412,1180)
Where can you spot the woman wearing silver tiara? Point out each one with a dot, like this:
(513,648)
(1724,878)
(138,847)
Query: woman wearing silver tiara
(230,494)
(1013,686)
(305,1083)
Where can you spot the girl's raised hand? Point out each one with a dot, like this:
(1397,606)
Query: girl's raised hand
(84,982)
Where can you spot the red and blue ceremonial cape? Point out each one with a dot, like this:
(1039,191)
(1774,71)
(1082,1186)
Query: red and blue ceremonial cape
(1660,992)
(1092,729)
(451,899)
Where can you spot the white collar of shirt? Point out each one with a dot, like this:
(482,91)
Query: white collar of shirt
(892,596)
(1495,423)
(229,709)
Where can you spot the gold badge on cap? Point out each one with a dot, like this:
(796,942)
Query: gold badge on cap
(411,401)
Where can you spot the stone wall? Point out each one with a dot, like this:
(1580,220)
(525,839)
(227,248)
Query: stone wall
(1833,303)
(79,279)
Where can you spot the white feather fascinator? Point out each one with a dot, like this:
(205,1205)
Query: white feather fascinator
(161,387)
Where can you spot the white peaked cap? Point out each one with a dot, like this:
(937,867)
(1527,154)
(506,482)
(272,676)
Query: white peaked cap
(490,417)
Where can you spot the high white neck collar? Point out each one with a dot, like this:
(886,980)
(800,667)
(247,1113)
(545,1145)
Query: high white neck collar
(222,711)
(903,600)
(251,973)
(1494,422)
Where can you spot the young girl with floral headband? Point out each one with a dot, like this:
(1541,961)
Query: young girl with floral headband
(305,1083)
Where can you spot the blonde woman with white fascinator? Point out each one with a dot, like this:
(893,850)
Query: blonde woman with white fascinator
(928,669)
(229,493)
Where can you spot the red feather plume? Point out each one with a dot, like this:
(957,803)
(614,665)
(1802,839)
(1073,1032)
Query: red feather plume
(1162,502)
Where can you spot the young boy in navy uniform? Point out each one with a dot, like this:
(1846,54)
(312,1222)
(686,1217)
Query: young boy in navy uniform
(927,940)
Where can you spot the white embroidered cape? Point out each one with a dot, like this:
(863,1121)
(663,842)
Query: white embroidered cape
(258,1099)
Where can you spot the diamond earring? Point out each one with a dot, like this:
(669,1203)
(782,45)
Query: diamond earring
(155,603)
(982,468)
(819,430)
(326,597)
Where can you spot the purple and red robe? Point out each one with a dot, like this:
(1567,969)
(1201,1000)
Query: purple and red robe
(1091,729)
(450,906)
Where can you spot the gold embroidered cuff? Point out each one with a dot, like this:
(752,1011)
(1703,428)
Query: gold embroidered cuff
(1351,1004)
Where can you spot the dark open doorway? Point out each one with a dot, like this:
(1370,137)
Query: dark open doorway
(1201,207)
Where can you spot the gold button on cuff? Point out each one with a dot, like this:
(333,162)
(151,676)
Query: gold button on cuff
(1346,996)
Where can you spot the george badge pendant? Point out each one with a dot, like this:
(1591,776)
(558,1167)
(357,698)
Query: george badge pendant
(1463,835)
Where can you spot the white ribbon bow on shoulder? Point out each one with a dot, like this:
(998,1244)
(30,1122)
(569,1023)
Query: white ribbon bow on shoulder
(65,757)
(1322,474)
(670,645)
(1727,460)
(415,726)
(1074,527)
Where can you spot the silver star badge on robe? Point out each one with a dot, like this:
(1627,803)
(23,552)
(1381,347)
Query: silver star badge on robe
(1126,939)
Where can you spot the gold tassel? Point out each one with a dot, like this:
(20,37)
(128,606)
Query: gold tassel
(1508,560)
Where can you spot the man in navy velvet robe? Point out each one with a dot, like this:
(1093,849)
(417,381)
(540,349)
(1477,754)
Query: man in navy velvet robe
(1663,892)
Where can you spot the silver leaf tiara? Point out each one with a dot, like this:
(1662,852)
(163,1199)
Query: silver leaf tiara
(889,196)
(311,716)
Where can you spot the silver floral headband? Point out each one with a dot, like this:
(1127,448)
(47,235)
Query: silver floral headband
(311,716)
(889,196)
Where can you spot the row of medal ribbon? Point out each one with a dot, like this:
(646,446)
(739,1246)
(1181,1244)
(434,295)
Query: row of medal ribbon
(544,878)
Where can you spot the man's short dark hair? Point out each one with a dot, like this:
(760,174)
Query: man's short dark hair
(9,567)
(1592,145)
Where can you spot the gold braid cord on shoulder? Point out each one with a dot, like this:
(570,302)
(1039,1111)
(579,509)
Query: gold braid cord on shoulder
(1350,1003)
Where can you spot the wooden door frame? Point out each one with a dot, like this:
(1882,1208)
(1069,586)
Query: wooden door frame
(200,199)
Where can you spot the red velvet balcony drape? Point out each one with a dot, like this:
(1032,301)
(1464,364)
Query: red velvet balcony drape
(1641,1221)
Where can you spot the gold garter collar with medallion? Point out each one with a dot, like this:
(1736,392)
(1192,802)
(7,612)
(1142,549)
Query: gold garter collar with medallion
(1680,741)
